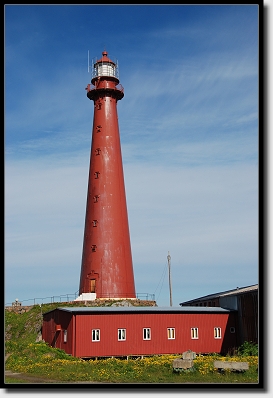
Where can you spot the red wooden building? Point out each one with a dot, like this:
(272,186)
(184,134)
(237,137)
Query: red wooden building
(89,332)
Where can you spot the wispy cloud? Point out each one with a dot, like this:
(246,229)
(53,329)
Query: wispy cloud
(200,215)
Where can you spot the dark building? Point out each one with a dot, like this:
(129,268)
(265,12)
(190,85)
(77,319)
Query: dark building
(244,301)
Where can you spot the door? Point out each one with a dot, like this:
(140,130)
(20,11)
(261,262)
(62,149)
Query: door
(93,286)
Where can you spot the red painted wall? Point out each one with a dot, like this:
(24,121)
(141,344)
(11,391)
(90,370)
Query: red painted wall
(54,337)
(80,344)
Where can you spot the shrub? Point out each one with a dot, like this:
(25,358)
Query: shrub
(248,349)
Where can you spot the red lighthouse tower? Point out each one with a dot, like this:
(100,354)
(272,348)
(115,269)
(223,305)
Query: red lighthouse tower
(107,268)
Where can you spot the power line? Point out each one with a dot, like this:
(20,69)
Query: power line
(162,278)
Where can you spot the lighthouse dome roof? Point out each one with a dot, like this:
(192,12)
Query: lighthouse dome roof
(105,58)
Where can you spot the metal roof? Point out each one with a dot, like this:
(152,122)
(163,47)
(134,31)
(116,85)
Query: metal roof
(241,290)
(238,290)
(180,310)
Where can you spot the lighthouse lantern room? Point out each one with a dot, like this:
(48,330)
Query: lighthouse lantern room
(105,67)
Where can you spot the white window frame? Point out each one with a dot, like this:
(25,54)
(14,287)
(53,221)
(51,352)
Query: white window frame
(65,336)
(194,333)
(171,333)
(95,334)
(121,334)
(146,333)
(217,333)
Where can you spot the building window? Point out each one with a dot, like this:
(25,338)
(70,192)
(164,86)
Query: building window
(65,336)
(194,333)
(96,335)
(232,329)
(146,334)
(121,334)
(171,333)
(217,333)
(96,174)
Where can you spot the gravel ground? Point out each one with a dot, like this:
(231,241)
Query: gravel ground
(31,379)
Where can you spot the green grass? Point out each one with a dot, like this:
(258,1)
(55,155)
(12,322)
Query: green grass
(26,380)
(42,361)
(13,380)
(31,358)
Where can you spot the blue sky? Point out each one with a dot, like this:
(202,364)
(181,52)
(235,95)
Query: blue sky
(189,133)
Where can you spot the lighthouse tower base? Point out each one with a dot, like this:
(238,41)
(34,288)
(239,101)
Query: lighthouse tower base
(113,302)
(86,297)
(93,296)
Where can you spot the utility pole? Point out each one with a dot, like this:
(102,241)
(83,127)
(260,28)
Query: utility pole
(170,282)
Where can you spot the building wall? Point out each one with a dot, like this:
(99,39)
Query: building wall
(79,333)
(230,302)
(248,317)
(214,302)
(54,325)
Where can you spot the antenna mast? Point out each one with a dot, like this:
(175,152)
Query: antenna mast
(170,283)
(88,61)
